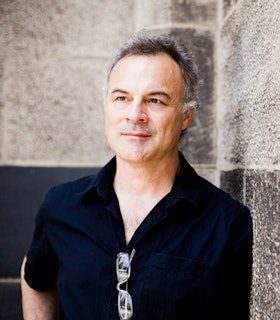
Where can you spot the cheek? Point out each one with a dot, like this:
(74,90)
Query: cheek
(112,115)
(171,125)
(110,120)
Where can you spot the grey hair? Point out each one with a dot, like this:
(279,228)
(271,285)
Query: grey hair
(144,44)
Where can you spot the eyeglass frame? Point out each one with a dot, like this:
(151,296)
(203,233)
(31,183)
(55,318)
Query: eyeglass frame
(125,311)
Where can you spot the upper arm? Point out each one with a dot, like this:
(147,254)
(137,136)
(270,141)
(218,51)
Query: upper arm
(38,304)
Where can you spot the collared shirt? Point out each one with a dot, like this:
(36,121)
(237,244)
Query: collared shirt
(193,252)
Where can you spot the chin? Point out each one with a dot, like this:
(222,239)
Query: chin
(132,156)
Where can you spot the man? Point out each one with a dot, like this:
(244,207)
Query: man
(145,238)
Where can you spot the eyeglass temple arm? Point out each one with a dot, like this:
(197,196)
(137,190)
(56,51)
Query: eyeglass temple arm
(132,254)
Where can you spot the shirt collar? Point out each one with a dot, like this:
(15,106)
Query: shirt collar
(187,184)
(102,182)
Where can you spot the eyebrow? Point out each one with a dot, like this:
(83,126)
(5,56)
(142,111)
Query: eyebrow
(152,93)
(159,93)
(119,90)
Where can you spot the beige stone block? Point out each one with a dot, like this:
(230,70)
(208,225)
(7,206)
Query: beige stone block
(55,111)
(55,55)
(148,14)
(249,86)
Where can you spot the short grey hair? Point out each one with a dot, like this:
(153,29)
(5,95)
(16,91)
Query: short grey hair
(143,44)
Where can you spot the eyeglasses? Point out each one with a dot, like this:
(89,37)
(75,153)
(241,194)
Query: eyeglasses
(123,267)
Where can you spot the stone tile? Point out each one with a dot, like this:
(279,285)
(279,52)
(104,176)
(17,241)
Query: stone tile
(249,90)
(55,59)
(2,115)
(58,108)
(10,297)
(201,12)
(262,196)
(151,13)
(233,183)
(199,142)
(228,5)
(74,25)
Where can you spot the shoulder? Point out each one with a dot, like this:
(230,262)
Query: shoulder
(209,198)
(224,207)
(70,188)
(69,194)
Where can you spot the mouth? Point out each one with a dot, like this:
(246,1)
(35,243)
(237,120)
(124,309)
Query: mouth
(136,134)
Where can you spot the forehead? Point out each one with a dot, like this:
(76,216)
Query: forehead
(159,68)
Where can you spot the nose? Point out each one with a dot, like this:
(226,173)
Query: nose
(137,112)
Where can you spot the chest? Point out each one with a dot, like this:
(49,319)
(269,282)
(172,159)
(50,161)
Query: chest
(133,213)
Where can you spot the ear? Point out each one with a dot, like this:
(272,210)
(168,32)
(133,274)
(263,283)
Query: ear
(188,115)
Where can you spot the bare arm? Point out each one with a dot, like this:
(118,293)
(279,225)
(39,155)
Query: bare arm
(37,304)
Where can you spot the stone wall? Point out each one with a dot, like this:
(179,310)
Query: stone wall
(249,134)
(53,57)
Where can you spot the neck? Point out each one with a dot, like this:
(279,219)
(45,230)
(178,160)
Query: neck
(146,178)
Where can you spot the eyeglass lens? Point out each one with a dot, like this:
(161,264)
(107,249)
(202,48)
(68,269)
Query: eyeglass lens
(125,306)
(123,266)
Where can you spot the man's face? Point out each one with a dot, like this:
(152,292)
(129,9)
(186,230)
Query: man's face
(143,113)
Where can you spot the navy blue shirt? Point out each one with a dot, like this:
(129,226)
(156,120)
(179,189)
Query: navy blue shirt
(193,251)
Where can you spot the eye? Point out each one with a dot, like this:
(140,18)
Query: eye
(121,98)
(154,100)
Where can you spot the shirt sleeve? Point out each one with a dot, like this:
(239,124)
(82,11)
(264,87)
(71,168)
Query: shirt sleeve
(231,298)
(41,266)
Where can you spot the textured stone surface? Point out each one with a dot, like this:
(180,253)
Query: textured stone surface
(55,58)
(199,143)
(194,11)
(10,297)
(250,93)
(1,107)
(249,131)
(228,5)
(233,183)
(148,14)
(151,14)
(60,117)
(262,196)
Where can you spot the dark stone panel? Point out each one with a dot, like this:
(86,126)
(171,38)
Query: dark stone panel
(21,191)
(233,183)
(10,301)
(191,11)
(227,5)
(262,197)
(199,143)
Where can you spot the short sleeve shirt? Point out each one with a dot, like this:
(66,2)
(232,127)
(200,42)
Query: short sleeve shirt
(192,252)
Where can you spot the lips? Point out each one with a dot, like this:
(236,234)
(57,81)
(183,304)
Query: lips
(136,134)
